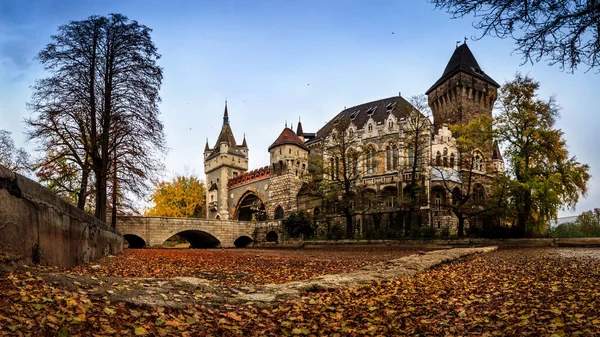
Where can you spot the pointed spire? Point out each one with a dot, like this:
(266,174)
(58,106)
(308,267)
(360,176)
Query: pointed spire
(225,115)
(244,142)
(299,130)
(206,147)
(286,123)
(462,60)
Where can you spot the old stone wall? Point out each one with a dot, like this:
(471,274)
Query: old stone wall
(38,226)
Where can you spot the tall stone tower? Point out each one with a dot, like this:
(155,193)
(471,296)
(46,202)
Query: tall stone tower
(463,91)
(224,161)
(289,164)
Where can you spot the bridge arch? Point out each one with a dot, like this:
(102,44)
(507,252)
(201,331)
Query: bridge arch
(251,205)
(134,241)
(197,238)
(243,241)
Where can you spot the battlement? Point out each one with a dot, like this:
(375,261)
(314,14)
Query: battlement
(248,177)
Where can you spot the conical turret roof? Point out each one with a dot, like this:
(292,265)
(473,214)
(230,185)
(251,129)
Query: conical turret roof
(463,60)
(288,136)
(299,130)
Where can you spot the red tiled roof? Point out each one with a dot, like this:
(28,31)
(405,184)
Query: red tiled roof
(288,136)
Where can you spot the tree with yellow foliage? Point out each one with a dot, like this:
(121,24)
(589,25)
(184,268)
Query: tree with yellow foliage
(183,197)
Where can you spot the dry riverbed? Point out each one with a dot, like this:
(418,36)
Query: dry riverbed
(509,292)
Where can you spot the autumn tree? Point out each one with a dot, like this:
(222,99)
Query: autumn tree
(100,101)
(416,137)
(335,171)
(11,157)
(464,178)
(565,32)
(587,224)
(544,177)
(182,197)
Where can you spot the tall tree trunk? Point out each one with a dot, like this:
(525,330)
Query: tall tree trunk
(82,194)
(113,220)
(349,229)
(461,224)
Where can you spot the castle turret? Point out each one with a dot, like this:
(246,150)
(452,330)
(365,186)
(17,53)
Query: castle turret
(289,163)
(221,163)
(462,91)
(299,131)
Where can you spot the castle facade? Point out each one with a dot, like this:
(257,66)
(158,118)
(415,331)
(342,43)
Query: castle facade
(386,167)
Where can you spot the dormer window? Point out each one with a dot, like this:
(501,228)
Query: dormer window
(390,107)
(354,114)
(390,124)
(370,127)
(351,133)
(371,110)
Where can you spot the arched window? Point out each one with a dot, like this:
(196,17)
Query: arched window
(388,158)
(337,167)
(452,160)
(370,127)
(438,159)
(396,157)
(478,162)
(438,201)
(411,157)
(373,161)
(332,167)
(278,213)
(390,124)
(351,132)
(478,193)
(445,157)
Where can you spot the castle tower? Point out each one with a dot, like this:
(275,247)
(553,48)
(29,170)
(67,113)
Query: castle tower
(224,161)
(289,164)
(462,91)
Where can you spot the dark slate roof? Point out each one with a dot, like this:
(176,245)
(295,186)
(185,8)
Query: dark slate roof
(288,136)
(360,114)
(463,60)
(299,130)
(226,136)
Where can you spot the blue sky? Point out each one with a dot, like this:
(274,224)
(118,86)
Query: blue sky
(280,60)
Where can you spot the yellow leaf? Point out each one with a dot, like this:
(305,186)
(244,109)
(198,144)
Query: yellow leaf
(139,331)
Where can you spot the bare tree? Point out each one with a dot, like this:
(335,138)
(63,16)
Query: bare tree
(565,32)
(104,79)
(336,169)
(416,138)
(11,157)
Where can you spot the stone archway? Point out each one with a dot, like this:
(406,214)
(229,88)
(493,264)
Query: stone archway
(199,239)
(250,207)
(134,241)
(243,241)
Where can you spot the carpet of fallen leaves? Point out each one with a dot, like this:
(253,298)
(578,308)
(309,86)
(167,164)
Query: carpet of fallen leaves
(525,292)
(236,267)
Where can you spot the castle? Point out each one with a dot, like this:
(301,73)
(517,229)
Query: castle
(386,164)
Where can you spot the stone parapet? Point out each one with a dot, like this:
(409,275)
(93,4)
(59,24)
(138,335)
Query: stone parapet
(40,227)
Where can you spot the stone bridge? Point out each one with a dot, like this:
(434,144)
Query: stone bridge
(140,231)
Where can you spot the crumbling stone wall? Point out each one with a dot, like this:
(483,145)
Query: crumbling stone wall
(38,226)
